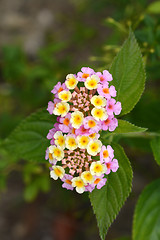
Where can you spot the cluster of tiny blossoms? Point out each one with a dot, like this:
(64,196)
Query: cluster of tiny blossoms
(85,105)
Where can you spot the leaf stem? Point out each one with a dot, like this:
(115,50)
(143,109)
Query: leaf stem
(148,135)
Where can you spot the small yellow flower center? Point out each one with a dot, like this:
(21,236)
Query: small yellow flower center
(71,81)
(98,112)
(79,183)
(92,83)
(57,172)
(64,96)
(88,176)
(94,147)
(61,140)
(71,142)
(98,102)
(98,168)
(62,109)
(77,119)
(50,156)
(57,152)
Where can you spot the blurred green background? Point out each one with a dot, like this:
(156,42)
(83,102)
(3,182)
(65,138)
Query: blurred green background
(41,42)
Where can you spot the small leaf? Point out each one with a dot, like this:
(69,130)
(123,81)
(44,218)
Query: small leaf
(155,145)
(147,214)
(127,127)
(28,141)
(154,8)
(128,74)
(30,192)
(108,201)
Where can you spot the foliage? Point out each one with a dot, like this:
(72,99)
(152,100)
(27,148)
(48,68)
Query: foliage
(26,87)
(28,141)
(128,74)
(108,201)
(146,216)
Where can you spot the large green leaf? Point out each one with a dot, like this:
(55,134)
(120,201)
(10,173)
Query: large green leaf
(128,74)
(108,201)
(28,141)
(147,214)
(154,8)
(155,144)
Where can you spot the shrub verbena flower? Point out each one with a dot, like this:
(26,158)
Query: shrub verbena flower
(84,105)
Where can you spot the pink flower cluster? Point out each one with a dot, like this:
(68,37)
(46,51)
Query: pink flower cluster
(84,105)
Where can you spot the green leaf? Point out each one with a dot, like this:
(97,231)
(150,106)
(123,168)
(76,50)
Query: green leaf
(31,192)
(155,145)
(28,141)
(108,201)
(128,74)
(127,127)
(147,214)
(154,8)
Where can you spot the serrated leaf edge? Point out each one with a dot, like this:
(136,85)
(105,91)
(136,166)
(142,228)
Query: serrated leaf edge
(131,34)
(123,201)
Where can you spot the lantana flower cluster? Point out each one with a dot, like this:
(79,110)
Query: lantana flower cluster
(84,105)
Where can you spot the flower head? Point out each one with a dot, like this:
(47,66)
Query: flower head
(85,105)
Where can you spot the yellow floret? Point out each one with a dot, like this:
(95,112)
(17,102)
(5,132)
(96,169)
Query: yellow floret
(92,82)
(56,152)
(97,168)
(57,172)
(77,119)
(79,184)
(94,147)
(98,101)
(65,96)
(59,139)
(99,114)
(71,143)
(61,108)
(82,141)
(71,81)
(87,177)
